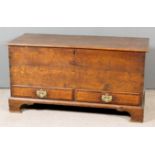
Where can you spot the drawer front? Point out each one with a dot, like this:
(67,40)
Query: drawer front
(110,70)
(45,93)
(114,98)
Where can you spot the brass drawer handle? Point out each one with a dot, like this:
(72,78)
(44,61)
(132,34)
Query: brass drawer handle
(106,98)
(41,93)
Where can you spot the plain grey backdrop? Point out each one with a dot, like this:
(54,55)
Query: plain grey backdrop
(7,34)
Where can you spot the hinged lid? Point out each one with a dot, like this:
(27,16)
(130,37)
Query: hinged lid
(88,42)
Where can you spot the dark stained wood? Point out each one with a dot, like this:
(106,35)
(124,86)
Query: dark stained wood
(88,42)
(77,71)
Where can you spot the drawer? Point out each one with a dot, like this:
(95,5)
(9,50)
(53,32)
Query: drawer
(109,98)
(45,93)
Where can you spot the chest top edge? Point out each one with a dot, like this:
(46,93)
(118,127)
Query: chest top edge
(129,44)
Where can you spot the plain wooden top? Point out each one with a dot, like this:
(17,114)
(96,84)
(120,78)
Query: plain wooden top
(85,42)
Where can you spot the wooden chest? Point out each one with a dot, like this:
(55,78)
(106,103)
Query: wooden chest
(85,71)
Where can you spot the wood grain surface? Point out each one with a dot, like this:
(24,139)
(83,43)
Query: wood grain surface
(78,70)
(118,98)
(88,42)
(52,93)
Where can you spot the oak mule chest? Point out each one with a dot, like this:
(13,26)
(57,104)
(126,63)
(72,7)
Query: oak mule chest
(84,71)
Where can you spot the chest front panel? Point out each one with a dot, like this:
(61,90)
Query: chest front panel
(110,70)
(42,67)
(77,74)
